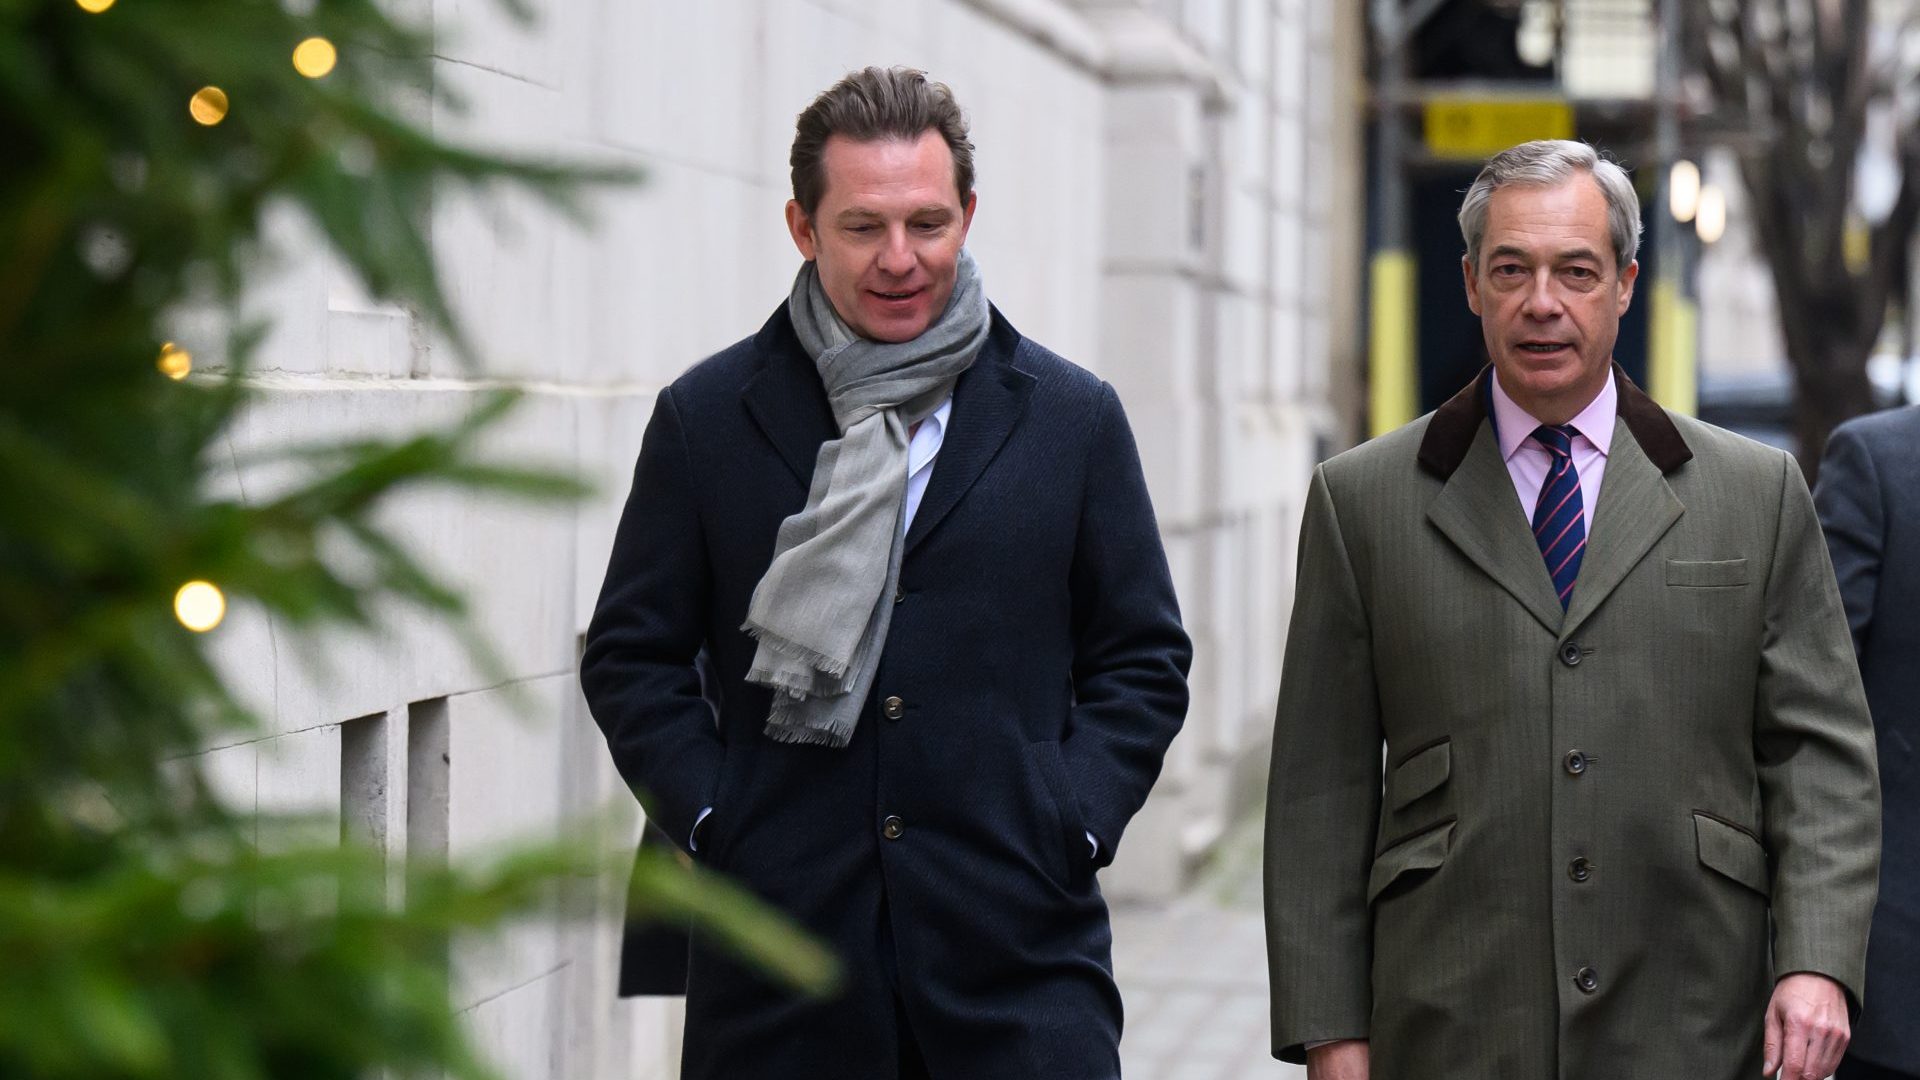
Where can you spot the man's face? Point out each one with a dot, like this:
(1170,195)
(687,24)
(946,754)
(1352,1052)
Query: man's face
(1549,296)
(887,233)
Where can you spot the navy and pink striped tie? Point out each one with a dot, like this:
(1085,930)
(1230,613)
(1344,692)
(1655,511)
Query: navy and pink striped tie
(1559,519)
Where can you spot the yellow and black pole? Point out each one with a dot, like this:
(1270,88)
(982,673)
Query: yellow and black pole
(1673,325)
(1392,359)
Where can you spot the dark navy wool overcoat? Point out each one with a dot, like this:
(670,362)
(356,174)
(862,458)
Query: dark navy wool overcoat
(1033,677)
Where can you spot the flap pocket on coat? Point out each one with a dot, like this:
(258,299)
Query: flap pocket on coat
(1423,771)
(1423,852)
(1717,574)
(1731,851)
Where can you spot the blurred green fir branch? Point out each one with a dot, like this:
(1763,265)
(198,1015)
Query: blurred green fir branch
(146,930)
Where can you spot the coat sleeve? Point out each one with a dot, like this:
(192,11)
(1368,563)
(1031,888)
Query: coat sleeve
(1813,745)
(1323,799)
(1130,653)
(639,668)
(1851,515)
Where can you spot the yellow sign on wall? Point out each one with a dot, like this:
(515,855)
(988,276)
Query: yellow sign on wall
(1481,127)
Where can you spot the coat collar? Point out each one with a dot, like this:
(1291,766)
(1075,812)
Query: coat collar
(789,404)
(786,398)
(1450,433)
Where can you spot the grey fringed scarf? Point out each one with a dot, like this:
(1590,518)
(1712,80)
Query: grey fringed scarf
(820,614)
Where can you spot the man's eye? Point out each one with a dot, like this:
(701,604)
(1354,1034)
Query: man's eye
(1507,270)
(861,228)
(1579,273)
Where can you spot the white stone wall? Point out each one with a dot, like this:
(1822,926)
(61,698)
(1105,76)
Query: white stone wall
(1169,195)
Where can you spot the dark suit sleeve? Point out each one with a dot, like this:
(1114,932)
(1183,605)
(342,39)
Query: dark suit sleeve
(1813,747)
(1323,799)
(1130,655)
(639,669)
(1852,517)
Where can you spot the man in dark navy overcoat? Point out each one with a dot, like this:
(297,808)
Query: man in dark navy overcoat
(1869,502)
(914,554)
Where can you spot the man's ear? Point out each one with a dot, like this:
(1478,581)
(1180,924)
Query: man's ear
(966,216)
(1473,287)
(800,228)
(1627,277)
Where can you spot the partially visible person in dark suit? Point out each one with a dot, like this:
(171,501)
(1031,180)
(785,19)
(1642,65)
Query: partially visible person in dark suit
(1869,503)
(945,656)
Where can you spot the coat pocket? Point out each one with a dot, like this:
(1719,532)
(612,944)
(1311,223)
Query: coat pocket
(1731,851)
(1070,834)
(1422,852)
(1419,774)
(1714,574)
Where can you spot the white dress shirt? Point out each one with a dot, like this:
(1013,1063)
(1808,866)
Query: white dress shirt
(922,448)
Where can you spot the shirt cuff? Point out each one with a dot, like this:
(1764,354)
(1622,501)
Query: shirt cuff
(693,838)
(1091,843)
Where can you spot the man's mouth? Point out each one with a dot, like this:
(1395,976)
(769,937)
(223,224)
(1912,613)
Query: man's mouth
(904,295)
(1542,348)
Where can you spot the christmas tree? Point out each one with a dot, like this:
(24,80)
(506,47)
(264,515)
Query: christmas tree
(145,930)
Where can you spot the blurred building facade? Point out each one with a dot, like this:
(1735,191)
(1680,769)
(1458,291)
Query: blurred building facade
(1170,195)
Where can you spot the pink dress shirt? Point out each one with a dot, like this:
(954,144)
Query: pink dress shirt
(1528,461)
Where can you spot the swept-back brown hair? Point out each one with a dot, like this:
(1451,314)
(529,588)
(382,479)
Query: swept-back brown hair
(874,104)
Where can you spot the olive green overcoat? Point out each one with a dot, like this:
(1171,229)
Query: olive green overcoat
(1601,833)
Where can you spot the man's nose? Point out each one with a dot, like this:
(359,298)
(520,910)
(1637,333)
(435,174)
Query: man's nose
(896,257)
(1543,299)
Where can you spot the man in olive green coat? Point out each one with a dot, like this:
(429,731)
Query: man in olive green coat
(1628,826)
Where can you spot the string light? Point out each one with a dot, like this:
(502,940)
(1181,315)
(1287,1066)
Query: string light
(94,7)
(175,362)
(209,105)
(315,57)
(1683,190)
(199,605)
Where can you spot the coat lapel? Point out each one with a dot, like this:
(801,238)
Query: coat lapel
(1479,512)
(1636,508)
(987,402)
(787,400)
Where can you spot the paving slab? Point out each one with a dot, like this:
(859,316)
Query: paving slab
(1193,974)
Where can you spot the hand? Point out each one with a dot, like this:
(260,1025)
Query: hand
(1343,1060)
(1807,1028)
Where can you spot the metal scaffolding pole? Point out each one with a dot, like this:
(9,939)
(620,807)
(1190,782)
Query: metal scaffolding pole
(1672,361)
(1392,397)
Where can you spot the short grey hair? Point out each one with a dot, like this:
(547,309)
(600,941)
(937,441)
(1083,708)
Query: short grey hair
(1550,163)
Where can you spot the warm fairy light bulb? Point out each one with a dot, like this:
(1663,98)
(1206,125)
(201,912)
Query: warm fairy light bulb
(209,105)
(94,7)
(314,57)
(1711,222)
(175,362)
(199,606)
(1683,190)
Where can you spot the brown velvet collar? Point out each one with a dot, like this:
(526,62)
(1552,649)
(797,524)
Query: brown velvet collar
(1454,425)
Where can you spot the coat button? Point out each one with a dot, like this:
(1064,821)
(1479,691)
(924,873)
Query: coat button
(893,708)
(1580,869)
(1576,762)
(899,595)
(1570,654)
(1587,979)
(893,828)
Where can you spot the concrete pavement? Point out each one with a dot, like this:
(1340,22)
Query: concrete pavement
(1193,974)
